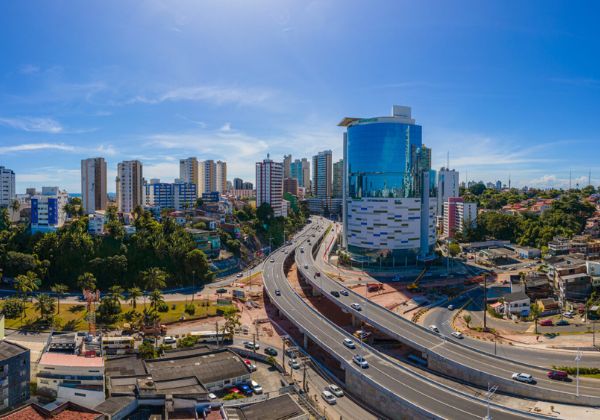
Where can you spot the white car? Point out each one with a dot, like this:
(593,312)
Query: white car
(294,364)
(523,377)
(212,396)
(240,275)
(169,340)
(450,307)
(344,292)
(360,361)
(256,387)
(250,345)
(434,329)
(457,334)
(355,306)
(349,343)
(328,397)
(272,260)
(335,390)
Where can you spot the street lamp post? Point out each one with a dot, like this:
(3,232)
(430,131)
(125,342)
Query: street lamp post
(577,359)
(488,397)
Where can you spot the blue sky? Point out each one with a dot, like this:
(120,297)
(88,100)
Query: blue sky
(508,87)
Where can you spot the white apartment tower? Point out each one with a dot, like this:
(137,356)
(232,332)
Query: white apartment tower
(447,186)
(269,185)
(188,171)
(129,185)
(322,175)
(221,176)
(93,184)
(7,186)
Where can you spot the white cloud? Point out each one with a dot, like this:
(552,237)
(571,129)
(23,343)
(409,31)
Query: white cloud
(29,69)
(226,127)
(32,124)
(28,147)
(218,95)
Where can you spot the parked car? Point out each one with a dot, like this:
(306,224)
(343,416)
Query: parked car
(246,390)
(335,390)
(434,329)
(335,293)
(546,323)
(562,322)
(221,291)
(293,363)
(344,292)
(250,365)
(240,275)
(169,340)
(457,334)
(360,361)
(328,397)
(212,396)
(251,345)
(270,351)
(569,314)
(349,343)
(450,307)
(558,375)
(256,387)
(233,390)
(355,306)
(523,377)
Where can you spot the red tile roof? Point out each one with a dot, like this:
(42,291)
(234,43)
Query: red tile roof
(66,411)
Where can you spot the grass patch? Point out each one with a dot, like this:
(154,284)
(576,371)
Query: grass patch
(73,316)
(593,376)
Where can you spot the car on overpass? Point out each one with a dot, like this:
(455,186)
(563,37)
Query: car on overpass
(360,361)
(328,397)
(523,377)
(349,343)
(355,306)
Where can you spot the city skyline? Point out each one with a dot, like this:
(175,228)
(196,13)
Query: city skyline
(504,89)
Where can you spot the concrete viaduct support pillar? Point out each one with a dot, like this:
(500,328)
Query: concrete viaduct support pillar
(315,292)
(305,341)
(355,321)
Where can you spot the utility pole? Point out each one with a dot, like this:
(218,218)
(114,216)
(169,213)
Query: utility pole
(488,397)
(485,302)
(577,359)
(283,355)
(254,342)
(193,284)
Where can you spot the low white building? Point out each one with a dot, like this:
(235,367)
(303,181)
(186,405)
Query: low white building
(517,303)
(96,222)
(75,378)
(48,210)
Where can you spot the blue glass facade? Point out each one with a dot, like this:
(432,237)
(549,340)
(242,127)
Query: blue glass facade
(382,160)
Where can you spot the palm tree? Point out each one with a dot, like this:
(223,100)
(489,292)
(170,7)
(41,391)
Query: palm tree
(134,294)
(15,206)
(26,283)
(60,289)
(467,319)
(534,311)
(156,298)
(116,292)
(154,278)
(87,281)
(44,304)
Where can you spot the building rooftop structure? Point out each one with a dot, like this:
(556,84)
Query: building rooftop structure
(61,359)
(9,349)
(129,365)
(278,408)
(64,411)
(515,297)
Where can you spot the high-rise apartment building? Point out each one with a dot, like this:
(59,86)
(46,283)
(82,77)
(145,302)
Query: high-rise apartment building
(457,215)
(188,170)
(287,164)
(300,170)
(207,176)
(48,209)
(94,195)
(388,183)
(322,175)
(248,186)
(238,183)
(15,371)
(338,178)
(221,176)
(129,185)
(7,186)
(269,185)
(290,185)
(163,195)
(447,186)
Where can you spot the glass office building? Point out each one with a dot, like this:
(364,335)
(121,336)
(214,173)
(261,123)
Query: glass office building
(388,182)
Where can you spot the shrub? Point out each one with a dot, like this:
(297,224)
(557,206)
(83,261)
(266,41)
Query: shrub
(173,307)
(13,308)
(233,396)
(572,370)
(189,341)
(147,351)
(190,309)
(162,307)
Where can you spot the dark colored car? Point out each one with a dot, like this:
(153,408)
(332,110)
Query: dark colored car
(246,390)
(221,290)
(270,351)
(562,323)
(558,375)
(335,293)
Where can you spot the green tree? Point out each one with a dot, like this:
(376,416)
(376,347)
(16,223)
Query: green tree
(453,249)
(26,283)
(60,289)
(87,281)
(232,321)
(147,351)
(154,278)
(156,298)
(116,292)
(4,219)
(134,294)
(467,318)
(45,305)
(534,313)
(197,262)
(13,308)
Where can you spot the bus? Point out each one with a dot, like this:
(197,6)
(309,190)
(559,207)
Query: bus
(117,345)
(211,336)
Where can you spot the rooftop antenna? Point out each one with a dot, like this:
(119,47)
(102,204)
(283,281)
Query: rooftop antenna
(448,160)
